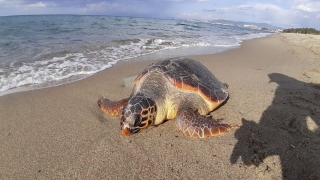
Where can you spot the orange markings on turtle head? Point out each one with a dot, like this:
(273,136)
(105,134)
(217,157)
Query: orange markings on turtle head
(125,132)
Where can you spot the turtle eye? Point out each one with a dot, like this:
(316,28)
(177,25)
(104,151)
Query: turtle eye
(129,118)
(134,130)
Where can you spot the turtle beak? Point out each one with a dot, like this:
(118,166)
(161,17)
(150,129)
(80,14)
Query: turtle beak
(126,131)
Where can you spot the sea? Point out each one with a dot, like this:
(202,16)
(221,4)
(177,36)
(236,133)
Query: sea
(48,50)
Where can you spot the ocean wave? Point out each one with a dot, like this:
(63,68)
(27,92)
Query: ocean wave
(86,63)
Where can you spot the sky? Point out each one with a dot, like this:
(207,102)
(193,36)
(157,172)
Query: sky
(282,13)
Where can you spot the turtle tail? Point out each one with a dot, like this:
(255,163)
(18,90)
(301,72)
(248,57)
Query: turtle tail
(113,108)
(192,124)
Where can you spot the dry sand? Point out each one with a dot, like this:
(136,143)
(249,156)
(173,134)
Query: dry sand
(60,133)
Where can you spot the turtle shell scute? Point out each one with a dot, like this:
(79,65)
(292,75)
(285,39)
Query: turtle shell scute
(190,75)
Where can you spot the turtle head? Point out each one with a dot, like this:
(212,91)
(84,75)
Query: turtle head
(139,113)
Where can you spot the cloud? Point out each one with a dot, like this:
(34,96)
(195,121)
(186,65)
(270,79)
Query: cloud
(20,7)
(22,4)
(177,0)
(303,12)
(6,3)
(131,8)
(188,15)
(98,7)
(242,9)
(303,7)
(38,4)
(141,8)
(306,5)
(277,12)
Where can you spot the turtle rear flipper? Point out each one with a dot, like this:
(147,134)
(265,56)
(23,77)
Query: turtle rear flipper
(113,108)
(192,124)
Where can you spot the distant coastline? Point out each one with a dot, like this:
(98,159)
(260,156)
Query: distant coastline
(302,31)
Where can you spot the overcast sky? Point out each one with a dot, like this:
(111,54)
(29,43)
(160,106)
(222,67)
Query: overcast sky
(283,13)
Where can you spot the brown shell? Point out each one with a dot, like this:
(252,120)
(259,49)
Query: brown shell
(190,75)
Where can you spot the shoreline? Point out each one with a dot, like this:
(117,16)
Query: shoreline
(154,57)
(60,133)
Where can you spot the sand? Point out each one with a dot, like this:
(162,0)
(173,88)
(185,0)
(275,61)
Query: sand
(60,133)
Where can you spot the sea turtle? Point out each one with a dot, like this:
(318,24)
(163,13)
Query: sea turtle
(177,88)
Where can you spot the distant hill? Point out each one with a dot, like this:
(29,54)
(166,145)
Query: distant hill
(248,24)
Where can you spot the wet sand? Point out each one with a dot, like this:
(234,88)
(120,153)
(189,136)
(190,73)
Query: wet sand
(274,86)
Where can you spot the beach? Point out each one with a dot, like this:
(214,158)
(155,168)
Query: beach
(274,87)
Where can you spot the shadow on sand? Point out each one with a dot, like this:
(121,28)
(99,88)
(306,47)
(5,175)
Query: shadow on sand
(288,128)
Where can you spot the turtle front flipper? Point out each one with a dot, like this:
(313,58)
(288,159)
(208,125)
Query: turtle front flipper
(192,124)
(113,108)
